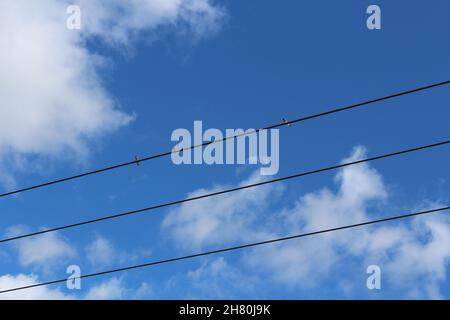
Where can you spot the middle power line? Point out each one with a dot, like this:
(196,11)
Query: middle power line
(168,204)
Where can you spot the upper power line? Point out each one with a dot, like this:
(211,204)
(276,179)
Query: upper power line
(213,194)
(282,124)
(229,249)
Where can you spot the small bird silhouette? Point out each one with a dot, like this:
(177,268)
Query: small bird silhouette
(286,121)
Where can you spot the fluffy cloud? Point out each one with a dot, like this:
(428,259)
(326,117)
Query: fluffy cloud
(214,221)
(208,279)
(101,252)
(120,21)
(38,293)
(413,254)
(53,99)
(422,258)
(45,252)
(113,289)
(42,252)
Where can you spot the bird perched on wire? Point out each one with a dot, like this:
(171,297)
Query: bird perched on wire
(136,158)
(286,121)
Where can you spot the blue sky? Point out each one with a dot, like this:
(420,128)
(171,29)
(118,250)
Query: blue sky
(120,86)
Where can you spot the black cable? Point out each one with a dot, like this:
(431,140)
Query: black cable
(154,263)
(164,154)
(298,175)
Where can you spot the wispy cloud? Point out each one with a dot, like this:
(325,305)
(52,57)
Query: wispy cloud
(39,293)
(413,255)
(102,253)
(121,22)
(51,252)
(112,289)
(42,253)
(213,221)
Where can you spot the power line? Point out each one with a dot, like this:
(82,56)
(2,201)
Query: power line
(235,248)
(298,175)
(164,154)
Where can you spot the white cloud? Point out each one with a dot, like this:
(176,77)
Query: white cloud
(101,252)
(116,289)
(216,220)
(52,97)
(44,253)
(207,281)
(38,293)
(413,255)
(120,21)
(144,291)
(422,258)
(407,260)
(53,100)
(41,252)
(112,289)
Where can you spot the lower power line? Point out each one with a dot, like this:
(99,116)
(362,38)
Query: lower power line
(235,248)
